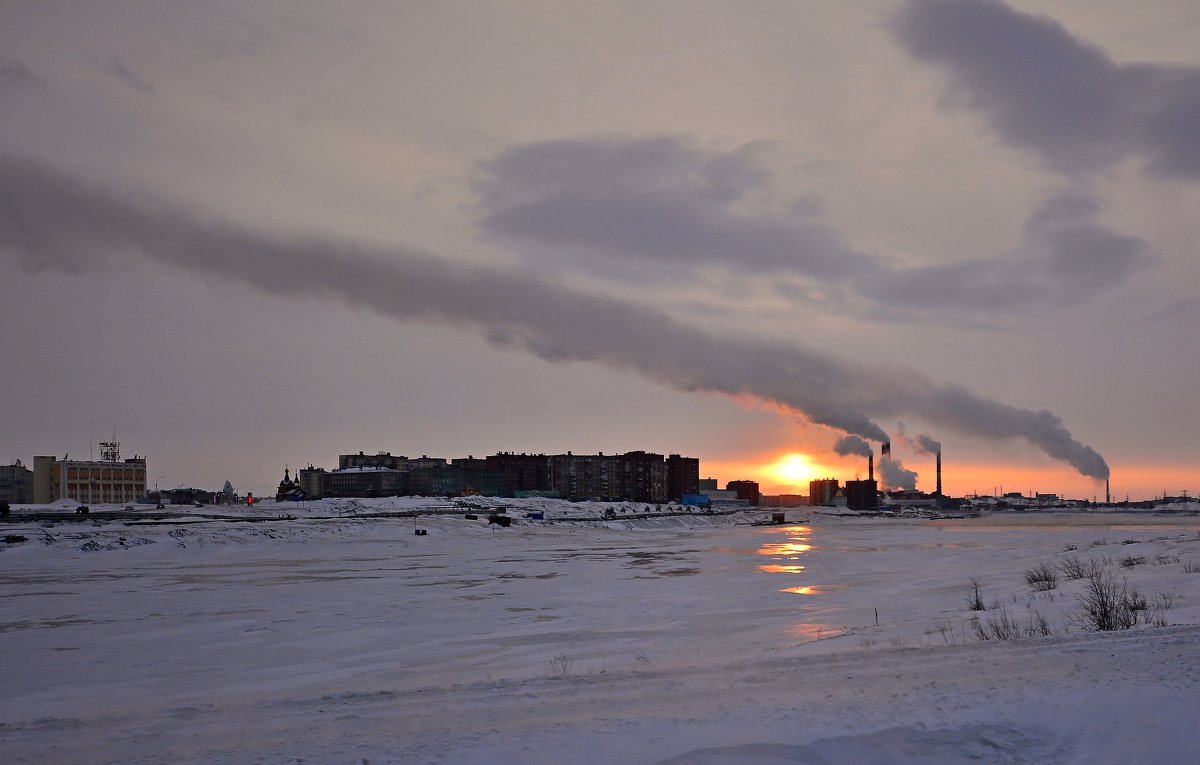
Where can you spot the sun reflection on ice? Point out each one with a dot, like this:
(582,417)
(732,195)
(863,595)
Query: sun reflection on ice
(785,552)
(775,568)
(809,633)
(814,589)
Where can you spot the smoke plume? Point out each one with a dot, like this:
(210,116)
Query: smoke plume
(895,475)
(928,445)
(851,444)
(52,221)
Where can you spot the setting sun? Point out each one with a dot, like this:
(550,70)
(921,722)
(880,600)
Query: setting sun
(795,469)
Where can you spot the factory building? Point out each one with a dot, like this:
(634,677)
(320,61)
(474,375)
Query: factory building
(823,491)
(862,495)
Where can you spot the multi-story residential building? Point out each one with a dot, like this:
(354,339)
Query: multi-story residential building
(747,490)
(634,476)
(521,472)
(683,476)
(476,476)
(364,482)
(382,459)
(582,476)
(643,477)
(311,482)
(16,483)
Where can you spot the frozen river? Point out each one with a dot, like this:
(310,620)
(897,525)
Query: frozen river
(230,642)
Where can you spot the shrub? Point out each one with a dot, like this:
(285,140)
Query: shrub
(1191,567)
(1073,568)
(1108,604)
(1129,561)
(998,627)
(1042,577)
(974,596)
(1003,627)
(561,665)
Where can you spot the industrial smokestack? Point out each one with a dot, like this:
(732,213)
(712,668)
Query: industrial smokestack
(871,466)
(939,472)
(1107,493)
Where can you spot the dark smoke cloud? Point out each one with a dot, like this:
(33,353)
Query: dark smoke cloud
(847,445)
(927,444)
(1045,90)
(51,221)
(895,476)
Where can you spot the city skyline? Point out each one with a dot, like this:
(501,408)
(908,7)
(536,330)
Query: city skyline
(787,474)
(250,235)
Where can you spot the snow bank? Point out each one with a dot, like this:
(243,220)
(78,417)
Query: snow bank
(341,636)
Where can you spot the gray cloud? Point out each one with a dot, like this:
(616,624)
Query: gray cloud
(652,200)
(15,76)
(661,200)
(850,444)
(117,68)
(928,444)
(1065,257)
(51,221)
(1045,90)
(895,476)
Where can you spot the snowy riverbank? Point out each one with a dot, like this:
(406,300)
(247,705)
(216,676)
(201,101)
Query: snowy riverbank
(655,639)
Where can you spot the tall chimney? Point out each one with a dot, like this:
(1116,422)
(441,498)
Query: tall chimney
(939,472)
(871,466)
(1107,494)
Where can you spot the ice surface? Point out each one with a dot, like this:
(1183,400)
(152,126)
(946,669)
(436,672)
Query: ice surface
(338,637)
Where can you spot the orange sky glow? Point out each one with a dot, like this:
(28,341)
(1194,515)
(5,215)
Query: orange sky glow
(790,472)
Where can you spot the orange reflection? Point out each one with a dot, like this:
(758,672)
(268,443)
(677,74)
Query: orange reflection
(775,568)
(785,551)
(814,589)
(811,632)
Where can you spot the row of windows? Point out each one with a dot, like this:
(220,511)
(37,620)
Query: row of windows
(103,474)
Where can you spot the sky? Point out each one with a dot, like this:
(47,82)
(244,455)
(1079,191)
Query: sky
(244,236)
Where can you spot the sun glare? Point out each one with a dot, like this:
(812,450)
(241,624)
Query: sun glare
(794,469)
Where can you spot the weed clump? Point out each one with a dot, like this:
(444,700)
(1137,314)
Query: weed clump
(1004,627)
(1042,577)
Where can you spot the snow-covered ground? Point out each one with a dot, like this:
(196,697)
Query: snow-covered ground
(337,637)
